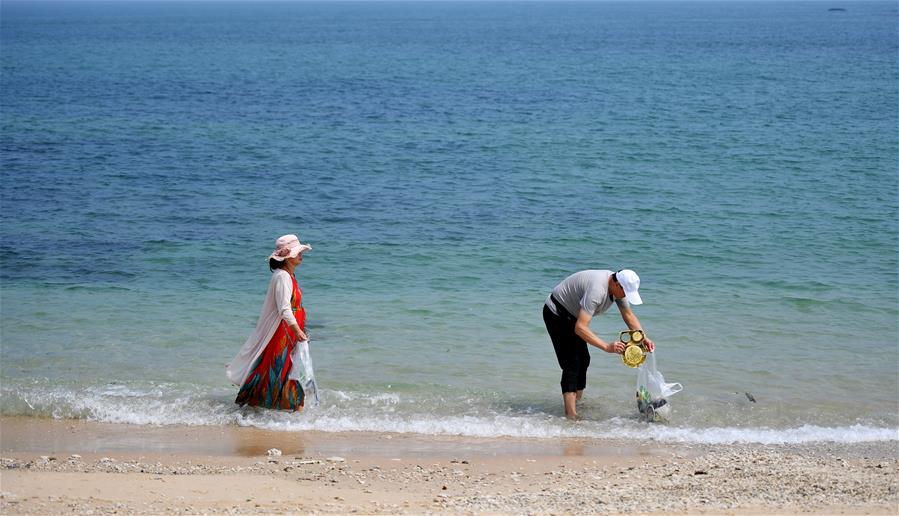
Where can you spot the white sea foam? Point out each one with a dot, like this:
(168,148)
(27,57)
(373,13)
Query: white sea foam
(390,412)
(387,398)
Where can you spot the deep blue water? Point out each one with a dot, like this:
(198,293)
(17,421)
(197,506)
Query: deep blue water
(450,162)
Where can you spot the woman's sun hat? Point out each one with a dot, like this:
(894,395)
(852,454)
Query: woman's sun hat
(288,246)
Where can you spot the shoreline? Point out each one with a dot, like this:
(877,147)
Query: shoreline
(60,466)
(28,434)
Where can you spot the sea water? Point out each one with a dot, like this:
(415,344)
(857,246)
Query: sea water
(450,163)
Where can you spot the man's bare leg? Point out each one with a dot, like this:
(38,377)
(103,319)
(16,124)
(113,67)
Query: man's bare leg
(580,394)
(570,399)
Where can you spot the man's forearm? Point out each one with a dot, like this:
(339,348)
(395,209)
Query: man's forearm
(630,319)
(591,338)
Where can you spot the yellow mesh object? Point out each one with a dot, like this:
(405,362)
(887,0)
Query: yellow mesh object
(631,336)
(633,356)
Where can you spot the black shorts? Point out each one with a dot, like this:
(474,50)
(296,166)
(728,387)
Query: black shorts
(571,350)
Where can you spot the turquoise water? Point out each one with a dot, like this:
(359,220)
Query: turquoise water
(450,163)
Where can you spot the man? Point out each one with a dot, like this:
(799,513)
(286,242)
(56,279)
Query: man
(567,314)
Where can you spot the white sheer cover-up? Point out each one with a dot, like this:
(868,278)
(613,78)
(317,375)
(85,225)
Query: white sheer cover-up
(275,309)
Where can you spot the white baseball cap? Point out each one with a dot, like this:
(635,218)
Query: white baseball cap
(630,282)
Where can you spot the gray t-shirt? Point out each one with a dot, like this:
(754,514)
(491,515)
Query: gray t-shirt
(584,290)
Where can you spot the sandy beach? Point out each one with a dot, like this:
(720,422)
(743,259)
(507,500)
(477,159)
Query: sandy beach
(65,466)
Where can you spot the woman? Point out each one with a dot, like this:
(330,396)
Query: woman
(266,367)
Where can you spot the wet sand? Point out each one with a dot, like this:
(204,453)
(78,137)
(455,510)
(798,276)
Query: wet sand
(64,466)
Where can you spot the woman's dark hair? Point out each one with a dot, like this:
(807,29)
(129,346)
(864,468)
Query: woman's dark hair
(274,264)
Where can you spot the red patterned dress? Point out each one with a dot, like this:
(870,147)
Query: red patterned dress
(267,385)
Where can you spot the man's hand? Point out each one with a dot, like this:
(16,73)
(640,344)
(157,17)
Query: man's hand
(650,345)
(616,347)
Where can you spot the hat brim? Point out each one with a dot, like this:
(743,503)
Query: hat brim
(633,297)
(301,248)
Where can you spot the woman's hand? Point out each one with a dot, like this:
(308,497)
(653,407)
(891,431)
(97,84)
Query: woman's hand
(650,345)
(301,335)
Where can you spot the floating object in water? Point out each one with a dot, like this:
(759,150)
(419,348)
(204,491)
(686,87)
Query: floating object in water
(750,397)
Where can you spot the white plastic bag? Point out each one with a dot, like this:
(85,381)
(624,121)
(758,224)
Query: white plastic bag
(653,392)
(302,372)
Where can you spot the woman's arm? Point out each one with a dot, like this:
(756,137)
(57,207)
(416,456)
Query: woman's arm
(283,291)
